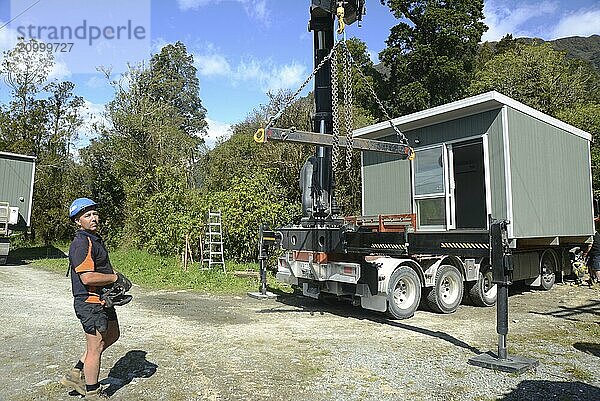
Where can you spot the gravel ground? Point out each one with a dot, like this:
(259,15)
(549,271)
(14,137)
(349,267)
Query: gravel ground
(186,346)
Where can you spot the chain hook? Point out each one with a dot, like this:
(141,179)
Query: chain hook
(340,17)
(259,135)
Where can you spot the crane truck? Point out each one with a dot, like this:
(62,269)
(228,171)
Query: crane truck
(435,245)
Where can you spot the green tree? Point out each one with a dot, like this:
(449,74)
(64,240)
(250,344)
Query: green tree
(431,53)
(56,170)
(24,73)
(171,79)
(100,181)
(44,127)
(240,156)
(538,76)
(153,138)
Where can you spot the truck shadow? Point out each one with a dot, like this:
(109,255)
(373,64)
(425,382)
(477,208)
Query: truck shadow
(548,390)
(130,366)
(588,348)
(564,312)
(301,304)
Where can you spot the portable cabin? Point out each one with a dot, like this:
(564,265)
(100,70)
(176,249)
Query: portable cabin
(16,186)
(16,196)
(487,155)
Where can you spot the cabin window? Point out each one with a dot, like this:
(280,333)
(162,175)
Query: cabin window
(429,172)
(430,188)
(431,212)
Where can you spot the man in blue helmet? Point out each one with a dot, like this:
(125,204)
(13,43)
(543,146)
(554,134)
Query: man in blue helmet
(91,273)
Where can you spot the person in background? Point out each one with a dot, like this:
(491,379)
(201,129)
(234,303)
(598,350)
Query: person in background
(593,257)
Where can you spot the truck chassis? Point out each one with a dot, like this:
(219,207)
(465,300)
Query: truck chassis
(382,264)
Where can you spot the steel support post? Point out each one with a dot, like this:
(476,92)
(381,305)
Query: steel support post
(266,238)
(502,276)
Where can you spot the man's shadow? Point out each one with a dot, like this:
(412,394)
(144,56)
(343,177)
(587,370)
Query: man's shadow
(132,365)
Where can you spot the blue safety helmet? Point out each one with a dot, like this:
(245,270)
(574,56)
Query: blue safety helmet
(78,205)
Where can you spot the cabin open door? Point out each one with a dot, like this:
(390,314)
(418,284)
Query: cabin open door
(467,167)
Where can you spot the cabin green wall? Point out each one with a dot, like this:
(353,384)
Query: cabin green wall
(15,183)
(387,180)
(550,179)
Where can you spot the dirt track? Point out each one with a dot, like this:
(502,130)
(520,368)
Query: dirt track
(185,346)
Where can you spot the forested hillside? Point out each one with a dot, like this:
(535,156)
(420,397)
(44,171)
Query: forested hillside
(576,47)
(155,179)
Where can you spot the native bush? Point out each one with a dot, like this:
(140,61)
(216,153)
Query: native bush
(247,203)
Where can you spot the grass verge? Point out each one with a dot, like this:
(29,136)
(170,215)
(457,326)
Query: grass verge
(156,272)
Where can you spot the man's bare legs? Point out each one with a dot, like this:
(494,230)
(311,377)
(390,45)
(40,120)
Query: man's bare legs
(96,344)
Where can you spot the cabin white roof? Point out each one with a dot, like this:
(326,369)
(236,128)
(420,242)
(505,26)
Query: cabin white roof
(18,156)
(461,108)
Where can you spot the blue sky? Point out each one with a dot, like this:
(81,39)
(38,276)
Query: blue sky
(241,48)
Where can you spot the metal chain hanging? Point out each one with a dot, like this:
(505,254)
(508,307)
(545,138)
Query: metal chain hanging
(348,104)
(291,99)
(335,112)
(348,62)
(399,134)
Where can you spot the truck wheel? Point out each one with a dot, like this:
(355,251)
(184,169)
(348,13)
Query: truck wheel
(404,293)
(548,268)
(446,294)
(484,291)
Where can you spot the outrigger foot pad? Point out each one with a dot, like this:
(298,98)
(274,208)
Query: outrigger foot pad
(512,364)
(260,295)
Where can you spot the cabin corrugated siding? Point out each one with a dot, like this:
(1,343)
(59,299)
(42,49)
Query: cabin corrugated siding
(550,179)
(15,183)
(386,184)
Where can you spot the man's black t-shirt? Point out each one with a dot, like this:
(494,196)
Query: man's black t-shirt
(87,254)
(595,251)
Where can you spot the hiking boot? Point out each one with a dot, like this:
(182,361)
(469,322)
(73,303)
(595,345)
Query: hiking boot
(75,380)
(97,394)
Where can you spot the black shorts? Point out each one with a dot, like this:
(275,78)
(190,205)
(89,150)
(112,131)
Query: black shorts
(93,316)
(594,263)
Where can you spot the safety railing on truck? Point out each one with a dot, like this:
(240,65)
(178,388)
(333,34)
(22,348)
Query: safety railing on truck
(385,222)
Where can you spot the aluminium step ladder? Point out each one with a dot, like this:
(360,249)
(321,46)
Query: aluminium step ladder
(214,240)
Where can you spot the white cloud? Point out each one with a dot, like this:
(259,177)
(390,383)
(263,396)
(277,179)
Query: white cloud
(269,77)
(262,73)
(59,71)
(581,23)
(212,64)
(256,9)
(96,82)
(157,45)
(216,130)
(194,4)
(502,19)
(373,56)
(285,77)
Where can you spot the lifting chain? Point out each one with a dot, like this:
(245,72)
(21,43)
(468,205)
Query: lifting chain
(348,62)
(335,111)
(399,134)
(291,99)
(348,105)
